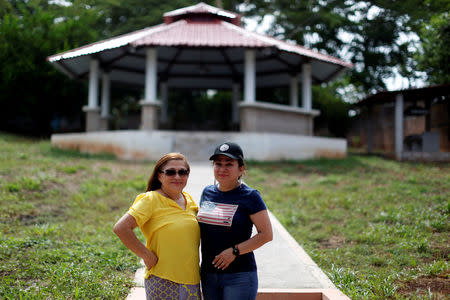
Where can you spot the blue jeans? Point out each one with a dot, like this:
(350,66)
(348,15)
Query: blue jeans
(229,286)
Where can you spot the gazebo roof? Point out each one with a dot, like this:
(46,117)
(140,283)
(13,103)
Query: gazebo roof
(200,46)
(202,8)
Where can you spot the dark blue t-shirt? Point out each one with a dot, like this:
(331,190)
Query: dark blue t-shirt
(224,219)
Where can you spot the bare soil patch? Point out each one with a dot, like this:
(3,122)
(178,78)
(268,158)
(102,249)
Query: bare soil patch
(333,242)
(439,286)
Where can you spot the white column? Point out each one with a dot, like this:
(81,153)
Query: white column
(93,83)
(151,70)
(106,86)
(164,93)
(234,103)
(306,86)
(250,75)
(294,91)
(399,126)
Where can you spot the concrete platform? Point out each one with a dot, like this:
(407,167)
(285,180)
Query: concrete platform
(197,145)
(285,271)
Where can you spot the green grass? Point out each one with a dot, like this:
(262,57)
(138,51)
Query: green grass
(378,228)
(57,210)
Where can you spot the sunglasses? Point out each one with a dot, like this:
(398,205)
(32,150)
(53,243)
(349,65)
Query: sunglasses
(173,172)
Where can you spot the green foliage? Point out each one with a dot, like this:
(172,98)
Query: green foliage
(56,216)
(32,91)
(368,33)
(376,227)
(372,225)
(24,184)
(333,111)
(435,58)
(125,16)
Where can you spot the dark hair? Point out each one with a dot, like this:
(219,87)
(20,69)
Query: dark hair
(241,162)
(153,181)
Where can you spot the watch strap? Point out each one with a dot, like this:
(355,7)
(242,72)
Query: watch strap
(236,250)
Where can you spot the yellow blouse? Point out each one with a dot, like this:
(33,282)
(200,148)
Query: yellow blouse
(172,234)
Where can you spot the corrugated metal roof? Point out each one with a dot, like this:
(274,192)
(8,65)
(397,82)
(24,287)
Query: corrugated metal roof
(282,45)
(114,42)
(196,34)
(200,34)
(411,94)
(195,38)
(201,8)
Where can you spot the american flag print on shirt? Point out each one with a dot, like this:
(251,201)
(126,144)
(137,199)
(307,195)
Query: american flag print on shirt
(216,213)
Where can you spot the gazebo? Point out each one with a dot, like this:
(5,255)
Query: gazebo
(202,47)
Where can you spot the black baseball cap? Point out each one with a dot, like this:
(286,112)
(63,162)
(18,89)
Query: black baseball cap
(229,149)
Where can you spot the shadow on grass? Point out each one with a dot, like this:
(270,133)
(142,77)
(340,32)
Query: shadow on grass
(15,138)
(321,165)
(13,143)
(47,149)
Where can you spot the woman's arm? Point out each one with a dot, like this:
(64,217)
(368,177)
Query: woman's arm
(262,223)
(124,230)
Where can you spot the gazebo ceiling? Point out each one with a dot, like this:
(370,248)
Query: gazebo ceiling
(200,46)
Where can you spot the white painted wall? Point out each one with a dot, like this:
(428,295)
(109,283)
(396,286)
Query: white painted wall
(198,146)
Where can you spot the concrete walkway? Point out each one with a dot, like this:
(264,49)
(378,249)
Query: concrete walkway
(282,264)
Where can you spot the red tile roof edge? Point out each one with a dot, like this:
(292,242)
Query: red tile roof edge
(133,37)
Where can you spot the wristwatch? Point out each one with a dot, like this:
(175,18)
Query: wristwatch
(236,250)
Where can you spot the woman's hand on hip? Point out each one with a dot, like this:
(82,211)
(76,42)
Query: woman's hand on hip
(150,260)
(224,259)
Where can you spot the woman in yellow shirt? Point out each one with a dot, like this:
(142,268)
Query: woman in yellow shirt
(167,217)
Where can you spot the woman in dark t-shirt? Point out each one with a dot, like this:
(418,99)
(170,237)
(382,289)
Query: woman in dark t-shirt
(226,216)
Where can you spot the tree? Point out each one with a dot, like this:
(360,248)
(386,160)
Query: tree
(435,56)
(126,16)
(374,35)
(334,119)
(32,92)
